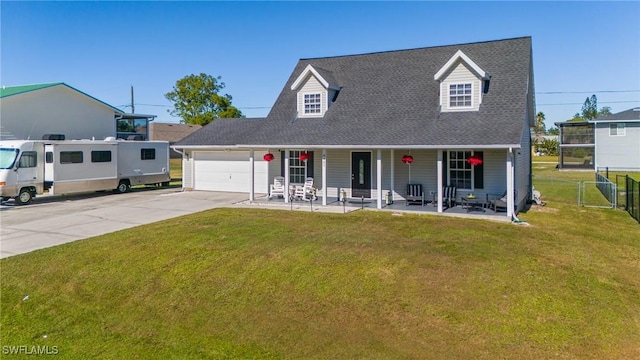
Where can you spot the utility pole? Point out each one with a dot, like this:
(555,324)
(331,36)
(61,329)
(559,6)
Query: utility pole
(133,110)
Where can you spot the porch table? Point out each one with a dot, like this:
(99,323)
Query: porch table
(472,204)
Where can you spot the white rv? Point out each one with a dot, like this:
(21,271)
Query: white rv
(31,167)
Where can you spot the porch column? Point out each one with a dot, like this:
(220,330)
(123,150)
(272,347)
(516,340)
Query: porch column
(251,177)
(440,184)
(392,182)
(324,177)
(286,176)
(510,189)
(379,177)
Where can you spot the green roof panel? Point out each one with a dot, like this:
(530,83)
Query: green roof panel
(14,90)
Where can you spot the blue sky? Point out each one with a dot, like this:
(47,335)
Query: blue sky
(103,48)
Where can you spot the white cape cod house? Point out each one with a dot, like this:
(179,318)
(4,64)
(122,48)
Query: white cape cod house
(358,116)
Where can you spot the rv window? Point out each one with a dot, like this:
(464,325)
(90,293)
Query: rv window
(100,156)
(48,157)
(147,154)
(28,159)
(71,157)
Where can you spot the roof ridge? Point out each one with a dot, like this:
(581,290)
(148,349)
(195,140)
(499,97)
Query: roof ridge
(418,48)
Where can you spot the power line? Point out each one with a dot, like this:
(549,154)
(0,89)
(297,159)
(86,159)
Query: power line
(603,102)
(586,92)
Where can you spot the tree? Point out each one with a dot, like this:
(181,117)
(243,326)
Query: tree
(553,131)
(540,127)
(590,108)
(604,111)
(197,101)
(549,147)
(577,118)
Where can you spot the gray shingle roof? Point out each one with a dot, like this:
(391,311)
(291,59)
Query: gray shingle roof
(223,132)
(390,98)
(631,114)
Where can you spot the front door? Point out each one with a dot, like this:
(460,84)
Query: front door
(361,174)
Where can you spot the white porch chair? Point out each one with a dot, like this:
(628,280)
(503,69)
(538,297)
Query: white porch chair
(306,191)
(277,188)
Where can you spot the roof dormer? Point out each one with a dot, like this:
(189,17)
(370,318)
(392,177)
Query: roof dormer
(462,84)
(316,88)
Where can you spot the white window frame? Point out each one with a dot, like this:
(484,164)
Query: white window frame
(619,129)
(450,96)
(466,167)
(297,168)
(307,110)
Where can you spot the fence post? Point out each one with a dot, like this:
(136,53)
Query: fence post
(579,190)
(607,171)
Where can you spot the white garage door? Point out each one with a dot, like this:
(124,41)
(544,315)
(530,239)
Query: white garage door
(228,171)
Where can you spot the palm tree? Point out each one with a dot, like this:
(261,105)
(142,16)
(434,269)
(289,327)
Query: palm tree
(540,128)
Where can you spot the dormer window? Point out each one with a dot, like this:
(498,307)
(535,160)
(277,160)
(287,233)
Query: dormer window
(312,103)
(314,88)
(462,84)
(460,95)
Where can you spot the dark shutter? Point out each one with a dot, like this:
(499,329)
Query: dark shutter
(445,167)
(478,173)
(282,164)
(310,164)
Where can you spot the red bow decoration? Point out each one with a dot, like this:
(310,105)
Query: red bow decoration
(407,159)
(474,160)
(268,157)
(304,156)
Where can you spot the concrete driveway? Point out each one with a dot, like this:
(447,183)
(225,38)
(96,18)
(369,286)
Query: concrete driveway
(51,221)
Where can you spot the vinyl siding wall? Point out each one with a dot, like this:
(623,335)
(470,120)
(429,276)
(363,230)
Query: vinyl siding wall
(461,74)
(522,169)
(312,86)
(618,152)
(423,170)
(187,171)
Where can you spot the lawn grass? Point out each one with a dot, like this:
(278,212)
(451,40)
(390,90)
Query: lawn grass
(268,284)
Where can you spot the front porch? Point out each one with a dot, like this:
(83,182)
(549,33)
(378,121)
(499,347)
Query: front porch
(370,178)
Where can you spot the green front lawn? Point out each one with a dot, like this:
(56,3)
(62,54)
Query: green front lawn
(256,284)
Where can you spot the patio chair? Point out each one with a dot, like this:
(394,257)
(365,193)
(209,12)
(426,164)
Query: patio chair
(499,204)
(306,191)
(277,188)
(449,196)
(414,194)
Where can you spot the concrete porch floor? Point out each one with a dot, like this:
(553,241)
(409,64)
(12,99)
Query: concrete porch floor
(336,206)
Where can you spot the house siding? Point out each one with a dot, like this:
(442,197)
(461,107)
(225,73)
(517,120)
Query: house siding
(458,75)
(523,169)
(618,152)
(187,170)
(423,171)
(312,85)
(56,110)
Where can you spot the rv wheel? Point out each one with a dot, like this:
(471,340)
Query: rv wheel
(123,186)
(25,197)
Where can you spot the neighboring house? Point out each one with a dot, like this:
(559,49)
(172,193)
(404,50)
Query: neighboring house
(171,133)
(617,141)
(357,116)
(611,141)
(32,111)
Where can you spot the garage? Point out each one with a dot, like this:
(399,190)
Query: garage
(228,171)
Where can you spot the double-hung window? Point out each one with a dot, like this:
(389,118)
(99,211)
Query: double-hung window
(460,95)
(297,168)
(312,103)
(460,170)
(616,129)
